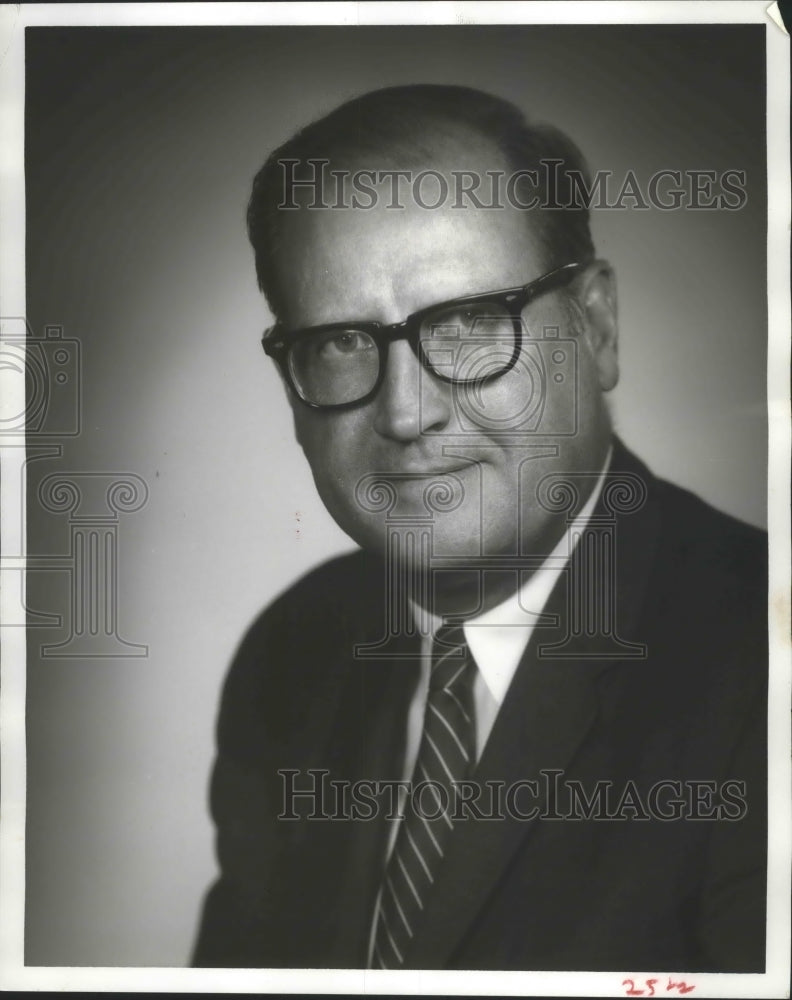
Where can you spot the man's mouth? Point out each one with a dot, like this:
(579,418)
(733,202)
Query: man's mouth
(424,470)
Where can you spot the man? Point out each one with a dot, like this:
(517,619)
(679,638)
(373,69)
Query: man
(560,658)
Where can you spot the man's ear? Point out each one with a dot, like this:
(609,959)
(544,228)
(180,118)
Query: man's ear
(597,297)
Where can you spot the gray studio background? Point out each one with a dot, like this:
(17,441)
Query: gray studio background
(141,145)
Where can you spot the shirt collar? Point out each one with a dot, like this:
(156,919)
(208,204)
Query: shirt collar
(498,637)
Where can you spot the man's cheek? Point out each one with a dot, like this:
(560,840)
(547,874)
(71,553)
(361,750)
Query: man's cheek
(510,404)
(339,468)
(317,435)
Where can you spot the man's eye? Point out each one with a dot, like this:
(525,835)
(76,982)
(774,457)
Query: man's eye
(459,316)
(344,343)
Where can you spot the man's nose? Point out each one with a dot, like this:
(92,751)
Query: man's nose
(410,401)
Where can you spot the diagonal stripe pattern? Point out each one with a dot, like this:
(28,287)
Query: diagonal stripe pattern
(446,755)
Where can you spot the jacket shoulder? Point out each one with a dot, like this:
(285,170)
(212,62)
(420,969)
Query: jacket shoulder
(695,537)
(706,608)
(298,647)
(707,541)
(333,588)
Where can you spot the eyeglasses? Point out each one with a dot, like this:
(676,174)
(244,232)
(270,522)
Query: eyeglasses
(466,341)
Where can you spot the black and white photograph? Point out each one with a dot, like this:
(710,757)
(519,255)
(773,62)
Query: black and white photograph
(396,525)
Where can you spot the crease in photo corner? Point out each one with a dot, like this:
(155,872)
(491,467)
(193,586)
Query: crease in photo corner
(774,13)
(418,982)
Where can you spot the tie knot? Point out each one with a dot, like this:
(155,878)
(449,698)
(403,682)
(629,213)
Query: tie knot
(450,659)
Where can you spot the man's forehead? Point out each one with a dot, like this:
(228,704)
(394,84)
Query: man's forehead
(386,233)
(352,258)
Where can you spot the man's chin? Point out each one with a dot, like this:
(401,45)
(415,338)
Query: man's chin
(421,543)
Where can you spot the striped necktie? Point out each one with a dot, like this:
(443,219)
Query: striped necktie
(446,755)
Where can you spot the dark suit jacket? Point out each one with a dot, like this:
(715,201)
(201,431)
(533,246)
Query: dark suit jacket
(631,893)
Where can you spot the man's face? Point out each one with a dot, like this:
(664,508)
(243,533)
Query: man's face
(383,264)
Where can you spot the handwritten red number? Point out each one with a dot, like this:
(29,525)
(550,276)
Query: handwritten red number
(632,991)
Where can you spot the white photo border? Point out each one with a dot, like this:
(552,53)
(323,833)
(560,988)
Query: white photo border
(13,20)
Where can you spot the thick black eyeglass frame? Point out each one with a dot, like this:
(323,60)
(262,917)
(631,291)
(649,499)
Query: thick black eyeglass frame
(277,341)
